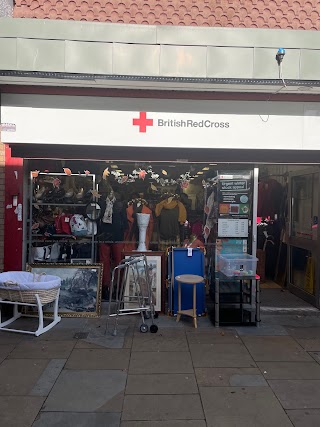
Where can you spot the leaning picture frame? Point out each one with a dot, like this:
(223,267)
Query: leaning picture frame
(81,286)
(156,264)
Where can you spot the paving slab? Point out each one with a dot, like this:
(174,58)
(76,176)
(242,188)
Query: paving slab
(61,334)
(290,370)
(85,344)
(19,411)
(303,320)
(168,322)
(309,344)
(304,417)
(223,377)
(248,381)
(5,350)
(262,330)
(86,391)
(275,349)
(304,333)
(171,423)
(18,376)
(242,407)
(10,338)
(162,384)
(171,362)
(297,394)
(166,340)
(72,419)
(221,356)
(43,350)
(214,336)
(162,407)
(77,323)
(48,377)
(315,355)
(99,359)
(204,323)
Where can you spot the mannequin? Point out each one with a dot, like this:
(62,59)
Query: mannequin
(137,205)
(171,213)
(113,225)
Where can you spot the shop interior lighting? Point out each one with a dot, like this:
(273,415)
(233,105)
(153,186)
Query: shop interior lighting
(205,169)
(118,170)
(114,166)
(212,164)
(200,173)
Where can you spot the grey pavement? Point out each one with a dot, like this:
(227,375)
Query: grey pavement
(78,375)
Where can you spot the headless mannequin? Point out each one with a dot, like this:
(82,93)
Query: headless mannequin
(112,228)
(132,234)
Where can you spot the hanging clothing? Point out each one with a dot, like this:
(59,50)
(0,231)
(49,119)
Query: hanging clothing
(171,215)
(107,254)
(114,233)
(107,217)
(270,195)
(111,237)
(132,234)
(209,210)
(197,229)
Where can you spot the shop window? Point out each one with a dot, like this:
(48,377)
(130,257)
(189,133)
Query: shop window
(303,269)
(305,190)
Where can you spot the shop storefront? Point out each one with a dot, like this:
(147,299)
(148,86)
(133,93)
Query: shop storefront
(203,170)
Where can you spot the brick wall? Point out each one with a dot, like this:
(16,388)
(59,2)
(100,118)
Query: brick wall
(284,14)
(2,202)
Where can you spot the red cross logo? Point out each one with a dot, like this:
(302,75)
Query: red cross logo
(142,122)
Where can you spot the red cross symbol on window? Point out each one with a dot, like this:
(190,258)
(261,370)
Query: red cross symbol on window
(142,122)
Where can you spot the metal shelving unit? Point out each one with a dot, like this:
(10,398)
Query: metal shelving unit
(35,238)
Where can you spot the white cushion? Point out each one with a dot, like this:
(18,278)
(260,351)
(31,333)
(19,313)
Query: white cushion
(28,281)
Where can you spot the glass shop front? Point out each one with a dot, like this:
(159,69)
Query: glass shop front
(153,185)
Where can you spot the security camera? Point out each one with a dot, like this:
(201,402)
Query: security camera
(280,55)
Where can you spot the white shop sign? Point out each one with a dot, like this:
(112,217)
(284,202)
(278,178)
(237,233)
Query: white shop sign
(41,119)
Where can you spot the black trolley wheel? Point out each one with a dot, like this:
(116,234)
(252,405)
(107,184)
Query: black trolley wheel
(154,329)
(144,328)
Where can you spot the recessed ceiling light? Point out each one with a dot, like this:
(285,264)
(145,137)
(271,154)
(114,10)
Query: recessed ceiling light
(213,164)
(205,169)
(114,166)
(200,173)
(119,170)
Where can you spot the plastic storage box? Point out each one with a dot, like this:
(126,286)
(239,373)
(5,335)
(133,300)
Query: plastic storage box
(237,265)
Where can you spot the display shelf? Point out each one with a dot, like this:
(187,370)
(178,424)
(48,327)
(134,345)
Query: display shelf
(60,204)
(244,303)
(71,236)
(36,239)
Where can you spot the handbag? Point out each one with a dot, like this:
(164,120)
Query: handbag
(40,253)
(64,223)
(54,253)
(78,225)
(91,227)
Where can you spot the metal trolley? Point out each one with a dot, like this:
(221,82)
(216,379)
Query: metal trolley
(131,275)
